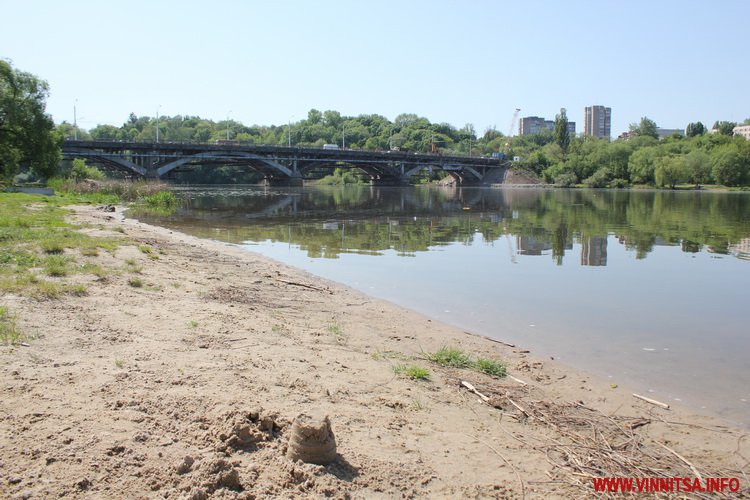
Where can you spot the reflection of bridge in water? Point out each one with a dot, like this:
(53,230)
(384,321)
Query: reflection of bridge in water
(279,165)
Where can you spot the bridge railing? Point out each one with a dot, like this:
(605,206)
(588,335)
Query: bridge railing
(240,145)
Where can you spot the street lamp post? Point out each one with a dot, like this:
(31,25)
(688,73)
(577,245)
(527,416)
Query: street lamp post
(289,132)
(343,136)
(157,124)
(390,139)
(230,112)
(75,121)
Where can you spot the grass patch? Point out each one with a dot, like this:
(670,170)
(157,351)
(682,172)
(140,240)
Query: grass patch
(94,269)
(52,247)
(457,358)
(133,266)
(34,235)
(90,251)
(119,363)
(413,372)
(9,332)
(192,323)
(490,367)
(56,265)
(135,282)
(451,356)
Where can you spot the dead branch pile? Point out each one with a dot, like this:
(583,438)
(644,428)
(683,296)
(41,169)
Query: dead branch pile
(583,443)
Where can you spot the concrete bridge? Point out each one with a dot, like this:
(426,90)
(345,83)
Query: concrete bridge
(278,165)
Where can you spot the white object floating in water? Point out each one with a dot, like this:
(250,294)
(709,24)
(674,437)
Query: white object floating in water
(649,349)
(532,326)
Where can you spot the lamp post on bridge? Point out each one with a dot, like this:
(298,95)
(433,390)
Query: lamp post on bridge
(75,121)
(157,123)
(289,131)
(230,112)
(343,136)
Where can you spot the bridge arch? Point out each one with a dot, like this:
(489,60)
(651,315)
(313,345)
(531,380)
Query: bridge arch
(108,160)
(263,165)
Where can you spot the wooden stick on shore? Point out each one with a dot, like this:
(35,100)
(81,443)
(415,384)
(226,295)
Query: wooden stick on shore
(473,389)
(652,401)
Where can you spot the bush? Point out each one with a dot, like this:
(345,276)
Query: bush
(81,171)
(568,179)
(599,179)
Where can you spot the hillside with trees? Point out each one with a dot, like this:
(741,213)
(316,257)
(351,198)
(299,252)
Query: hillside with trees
(699,157)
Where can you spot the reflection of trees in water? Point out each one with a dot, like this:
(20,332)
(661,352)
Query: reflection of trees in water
(373,219)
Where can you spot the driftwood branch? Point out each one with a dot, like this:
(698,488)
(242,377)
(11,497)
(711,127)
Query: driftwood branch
(474,390)
(652,401)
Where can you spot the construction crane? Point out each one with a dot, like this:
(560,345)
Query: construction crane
(512,126)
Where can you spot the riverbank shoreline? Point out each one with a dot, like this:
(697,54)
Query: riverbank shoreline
(185,385)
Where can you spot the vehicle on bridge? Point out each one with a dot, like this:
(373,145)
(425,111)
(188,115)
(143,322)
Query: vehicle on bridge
(330,146)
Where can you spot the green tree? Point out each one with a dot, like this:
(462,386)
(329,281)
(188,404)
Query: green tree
(694,129)
(28,137)
(698,167)
(646,127)
(670,171)
(724,128)
(80,171)
(642,164)
(562,134)
(728,165)
(314,116)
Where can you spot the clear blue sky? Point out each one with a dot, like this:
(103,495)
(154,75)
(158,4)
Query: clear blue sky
(459,62)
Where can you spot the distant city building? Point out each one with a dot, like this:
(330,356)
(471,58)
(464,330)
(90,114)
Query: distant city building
(529,245)
(533,125)
(594,251)
(597,121)
(666,132)
(572,129)
(743,130)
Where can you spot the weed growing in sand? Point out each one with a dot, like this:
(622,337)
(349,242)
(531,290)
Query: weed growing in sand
(490,367)
(9,333)
(94,269)
(90,251)
(56,265)
(135,282)
(133,266)
(119,229)
(78,290)
(193,324)
(413,372)
(119,363)
(457,358)
(51,246)
(338,332)
(450,356)
(418,405)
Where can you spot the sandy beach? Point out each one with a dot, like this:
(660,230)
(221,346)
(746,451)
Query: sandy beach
(180,377)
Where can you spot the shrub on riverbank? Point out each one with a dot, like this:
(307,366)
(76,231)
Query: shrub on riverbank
(121,190)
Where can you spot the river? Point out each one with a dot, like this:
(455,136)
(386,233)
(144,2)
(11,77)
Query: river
(646,288)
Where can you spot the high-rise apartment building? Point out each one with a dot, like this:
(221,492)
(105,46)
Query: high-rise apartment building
(533,125)
(597,121)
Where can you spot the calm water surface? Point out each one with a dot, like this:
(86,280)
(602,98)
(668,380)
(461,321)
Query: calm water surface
(647,288)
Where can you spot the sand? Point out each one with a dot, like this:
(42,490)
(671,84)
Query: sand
(187,387)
